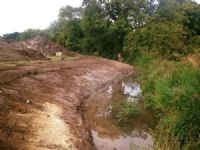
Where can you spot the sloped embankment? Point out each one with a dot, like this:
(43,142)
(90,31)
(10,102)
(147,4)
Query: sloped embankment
(45,46)
(42,105)
(38,48)
(8,52)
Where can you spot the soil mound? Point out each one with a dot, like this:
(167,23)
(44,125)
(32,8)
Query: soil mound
(8,52)
(44,45)
(37,48)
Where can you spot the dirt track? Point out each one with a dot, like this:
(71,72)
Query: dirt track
(42,105)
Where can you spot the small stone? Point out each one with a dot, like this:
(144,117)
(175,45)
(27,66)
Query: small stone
(22,138)
(28,102)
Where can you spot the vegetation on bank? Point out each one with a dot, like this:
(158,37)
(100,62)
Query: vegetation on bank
(155,36)
(171,89)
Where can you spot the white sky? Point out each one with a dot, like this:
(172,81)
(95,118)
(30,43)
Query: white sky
(18,15)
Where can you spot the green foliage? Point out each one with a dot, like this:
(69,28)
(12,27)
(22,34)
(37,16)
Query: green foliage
(193,21)
(74,34)
(124,112)
(70,13)
(67,29)
(187,82)
(71,36)
(171,44)
(172,90)
(94,29)
(131,49)
(172,32)
(99,27)
(27,34)
(11,36)
(171,11)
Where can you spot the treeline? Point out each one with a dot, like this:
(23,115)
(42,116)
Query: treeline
(20,36)
(110,28)
(127,28)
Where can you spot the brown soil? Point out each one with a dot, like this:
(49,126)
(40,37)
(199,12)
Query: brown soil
(8,52)
(38,48)
(42,104)
(43,45)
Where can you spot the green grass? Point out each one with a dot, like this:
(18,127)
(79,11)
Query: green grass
(54,58)
(172,90)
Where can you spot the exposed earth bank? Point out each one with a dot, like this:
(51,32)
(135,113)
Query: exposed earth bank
(42,104)
(37,48)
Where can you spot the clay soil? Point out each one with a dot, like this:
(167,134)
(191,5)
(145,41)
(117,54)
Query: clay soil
(37,48)
(9,52)
(42,105)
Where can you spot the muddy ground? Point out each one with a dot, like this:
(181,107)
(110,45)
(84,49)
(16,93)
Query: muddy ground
(37,48)
(8,52)
(42,45)
(42,104)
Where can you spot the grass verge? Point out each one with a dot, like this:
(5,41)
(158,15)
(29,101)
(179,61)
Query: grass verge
(172,90)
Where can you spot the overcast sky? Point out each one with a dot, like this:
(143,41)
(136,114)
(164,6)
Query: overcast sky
(18,15)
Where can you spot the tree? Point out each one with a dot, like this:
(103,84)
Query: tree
(29,33)
(68,13)
(11,36)
(94,28)
(73,34)
(67,29)
(100,26)
(193,20)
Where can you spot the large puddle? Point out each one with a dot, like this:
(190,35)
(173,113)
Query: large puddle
(107,130)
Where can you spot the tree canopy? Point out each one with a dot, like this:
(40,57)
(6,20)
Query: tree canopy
(111,27)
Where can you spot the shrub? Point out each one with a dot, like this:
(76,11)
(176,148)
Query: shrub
(172,44)
(173,91)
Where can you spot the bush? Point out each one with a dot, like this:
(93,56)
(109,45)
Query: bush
(173,91)
(165,38)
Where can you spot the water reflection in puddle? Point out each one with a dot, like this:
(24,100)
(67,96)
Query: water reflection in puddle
(106,133)
(132,142)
